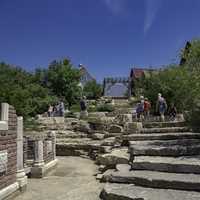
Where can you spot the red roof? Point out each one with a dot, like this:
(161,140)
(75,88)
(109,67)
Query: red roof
(137,73)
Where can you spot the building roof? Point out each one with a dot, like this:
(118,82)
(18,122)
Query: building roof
(140,72)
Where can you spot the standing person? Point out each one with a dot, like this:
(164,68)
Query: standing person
(83,106)
(50,111)
(140,110)
(161,107)
(147,107)
(61,109)
(172,112)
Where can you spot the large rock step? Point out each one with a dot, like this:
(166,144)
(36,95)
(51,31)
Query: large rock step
(152,179)
(174,151)
(164,130)
(165,143)
(132,192)
(163,124)
(161,136)
(167,164)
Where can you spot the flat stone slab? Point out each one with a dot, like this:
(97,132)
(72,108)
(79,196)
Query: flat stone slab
(117,156)
(152,179)
(161,136)
(132,192)
(163,124)
(165,130)
(167,164)
(174,151)
(166,143)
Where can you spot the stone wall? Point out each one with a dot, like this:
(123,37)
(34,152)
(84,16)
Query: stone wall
(30,148)
(8,151)
(39,151)
(48,149)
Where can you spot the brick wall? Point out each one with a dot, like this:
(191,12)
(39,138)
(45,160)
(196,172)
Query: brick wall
(48,155)
(8,142)
(29,147)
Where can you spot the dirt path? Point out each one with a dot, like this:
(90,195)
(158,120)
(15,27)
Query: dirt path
(72,180)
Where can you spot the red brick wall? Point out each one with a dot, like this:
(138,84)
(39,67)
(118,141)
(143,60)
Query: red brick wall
(8,141)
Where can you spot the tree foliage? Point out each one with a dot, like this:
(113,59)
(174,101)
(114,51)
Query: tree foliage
(18,88)
(31,93)
(178,84)
(62,79)
(92,90)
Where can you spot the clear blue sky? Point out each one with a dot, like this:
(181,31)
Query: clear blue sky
(108,36)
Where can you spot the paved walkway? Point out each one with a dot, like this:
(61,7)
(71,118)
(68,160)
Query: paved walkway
(72,180)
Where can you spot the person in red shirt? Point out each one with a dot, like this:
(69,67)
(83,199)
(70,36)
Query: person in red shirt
(147,107)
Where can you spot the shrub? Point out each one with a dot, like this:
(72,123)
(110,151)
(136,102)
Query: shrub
(105,108)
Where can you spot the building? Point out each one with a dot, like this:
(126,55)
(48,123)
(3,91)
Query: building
(117,87)
(137,73)
(85,76)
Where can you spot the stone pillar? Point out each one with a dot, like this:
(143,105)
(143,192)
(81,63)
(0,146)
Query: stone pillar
(52,136)
(39,160)
(21,176)
(37,171)
(4,112)
(54,144)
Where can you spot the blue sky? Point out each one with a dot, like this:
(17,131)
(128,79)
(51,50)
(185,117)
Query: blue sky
(108,36)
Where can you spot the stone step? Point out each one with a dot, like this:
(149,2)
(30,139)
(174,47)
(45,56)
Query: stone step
(131,192)
(164,130)
(171,151)
(165,143)
(161,136)
(163,124)
(167,164)
(152,179)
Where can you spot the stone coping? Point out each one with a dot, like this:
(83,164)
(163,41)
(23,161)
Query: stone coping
(9,190)
(39,135)
(4,117)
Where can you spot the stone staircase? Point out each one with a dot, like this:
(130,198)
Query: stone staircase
(164,164)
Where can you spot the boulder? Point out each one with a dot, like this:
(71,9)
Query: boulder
(82,126)
(97,115)
(115,129)
(117,156)
(133,127)
(123,118)
(97,136)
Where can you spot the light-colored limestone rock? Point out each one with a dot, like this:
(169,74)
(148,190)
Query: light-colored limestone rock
(123,118)
(133,127)
(97,136)
(82,126)
(117,156)
(115,129)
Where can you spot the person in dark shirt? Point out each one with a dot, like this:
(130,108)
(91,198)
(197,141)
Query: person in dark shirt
(172,112)
(83,104)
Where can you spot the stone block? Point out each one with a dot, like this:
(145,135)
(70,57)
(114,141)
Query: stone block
(115,129)
(133,127)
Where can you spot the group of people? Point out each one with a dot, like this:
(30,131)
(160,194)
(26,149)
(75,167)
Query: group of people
(57,110)
(144,107)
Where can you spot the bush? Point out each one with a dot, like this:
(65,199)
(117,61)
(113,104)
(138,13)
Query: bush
(193,116)
(105,108)
(70,115)
(92,90)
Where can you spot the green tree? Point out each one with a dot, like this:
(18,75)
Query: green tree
(62,79)
(92,90)
(18,88)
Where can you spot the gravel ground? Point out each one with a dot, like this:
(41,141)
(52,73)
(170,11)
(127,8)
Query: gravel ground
(73,179)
